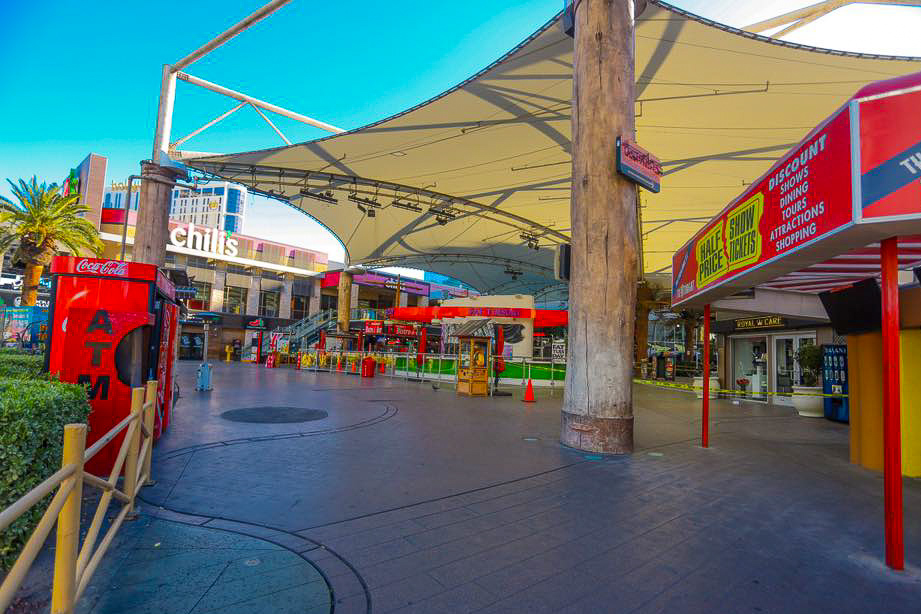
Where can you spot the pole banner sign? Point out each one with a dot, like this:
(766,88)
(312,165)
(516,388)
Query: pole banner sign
(805,196)
(638,165)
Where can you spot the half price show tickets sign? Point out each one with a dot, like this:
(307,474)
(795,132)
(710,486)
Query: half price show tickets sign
(806,195)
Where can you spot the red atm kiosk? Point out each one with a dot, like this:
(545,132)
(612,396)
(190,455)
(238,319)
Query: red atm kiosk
(113,326)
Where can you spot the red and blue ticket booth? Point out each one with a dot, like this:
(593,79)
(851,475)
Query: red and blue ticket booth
(113,327)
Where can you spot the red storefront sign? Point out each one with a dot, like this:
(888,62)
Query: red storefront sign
(374,327)
(409,286)
(805,196)
(105,268)
(402,330)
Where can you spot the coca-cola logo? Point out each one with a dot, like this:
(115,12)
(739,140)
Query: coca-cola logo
(98,267)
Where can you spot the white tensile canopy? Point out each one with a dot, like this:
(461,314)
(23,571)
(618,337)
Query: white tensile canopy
(469,183)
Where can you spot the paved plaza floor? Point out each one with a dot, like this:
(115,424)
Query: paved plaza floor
(394,496)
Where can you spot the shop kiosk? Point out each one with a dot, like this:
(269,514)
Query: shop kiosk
(114,326)
(472,360)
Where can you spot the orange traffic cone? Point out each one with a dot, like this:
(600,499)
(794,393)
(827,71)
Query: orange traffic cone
(529,393)
(297,365)
(339,364)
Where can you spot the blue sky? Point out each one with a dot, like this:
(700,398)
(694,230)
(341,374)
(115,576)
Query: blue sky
(77,77)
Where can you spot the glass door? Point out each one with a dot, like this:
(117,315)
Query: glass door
(787,372)
(749,358)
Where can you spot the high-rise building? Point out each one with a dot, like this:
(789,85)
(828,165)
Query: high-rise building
(216,204)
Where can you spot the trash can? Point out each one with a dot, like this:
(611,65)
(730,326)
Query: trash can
(367,367)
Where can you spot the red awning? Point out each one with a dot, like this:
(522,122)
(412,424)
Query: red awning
(847,268)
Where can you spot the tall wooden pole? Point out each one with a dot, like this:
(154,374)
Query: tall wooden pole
(344,302)
(152,230)
(598,406)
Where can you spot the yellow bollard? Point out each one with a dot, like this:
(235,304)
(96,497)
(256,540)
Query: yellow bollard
(150,397)
(67,541)
(134,448)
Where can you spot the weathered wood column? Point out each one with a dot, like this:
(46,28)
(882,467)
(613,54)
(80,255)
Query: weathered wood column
(152,230)
(344,302)
(598,406)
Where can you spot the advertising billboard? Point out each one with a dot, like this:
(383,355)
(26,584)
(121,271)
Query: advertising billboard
(805,196)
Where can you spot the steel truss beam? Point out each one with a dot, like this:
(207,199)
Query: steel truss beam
(274,177)
(460,258)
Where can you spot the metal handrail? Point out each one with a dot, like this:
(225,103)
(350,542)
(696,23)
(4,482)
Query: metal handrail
(74,564)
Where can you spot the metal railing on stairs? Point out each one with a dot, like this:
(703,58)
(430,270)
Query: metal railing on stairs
(74,564)
(304,331)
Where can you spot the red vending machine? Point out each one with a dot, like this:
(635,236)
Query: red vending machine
(113,326)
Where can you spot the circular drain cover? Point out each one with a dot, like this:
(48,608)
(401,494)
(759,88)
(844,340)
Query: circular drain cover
(274,415)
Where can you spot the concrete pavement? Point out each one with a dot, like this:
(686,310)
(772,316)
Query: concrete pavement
(409,499)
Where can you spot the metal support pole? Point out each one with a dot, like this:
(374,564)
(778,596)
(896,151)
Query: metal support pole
(705,418)
(892,438)
(228,34)
(67,541)
(164,113)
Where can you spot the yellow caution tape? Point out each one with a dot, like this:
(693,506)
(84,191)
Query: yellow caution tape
(742,393)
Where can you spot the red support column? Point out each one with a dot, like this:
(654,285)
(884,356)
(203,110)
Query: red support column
(892,434)
(705,426)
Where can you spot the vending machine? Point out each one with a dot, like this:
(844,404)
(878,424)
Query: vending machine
(834,381)
(113,326)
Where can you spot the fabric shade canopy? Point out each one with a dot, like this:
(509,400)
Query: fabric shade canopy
(475,183)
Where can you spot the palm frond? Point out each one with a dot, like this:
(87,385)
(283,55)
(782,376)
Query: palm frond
(45,219)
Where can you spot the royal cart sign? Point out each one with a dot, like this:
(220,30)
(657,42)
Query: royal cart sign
(638,165)
(756,323)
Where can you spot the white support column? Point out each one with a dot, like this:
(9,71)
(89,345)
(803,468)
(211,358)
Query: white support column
(314,305)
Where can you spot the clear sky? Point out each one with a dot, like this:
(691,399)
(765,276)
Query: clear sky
(80,77)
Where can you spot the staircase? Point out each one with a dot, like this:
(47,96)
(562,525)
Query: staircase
(305,332)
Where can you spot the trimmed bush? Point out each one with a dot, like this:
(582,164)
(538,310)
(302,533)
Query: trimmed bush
(21,365)
(32,418)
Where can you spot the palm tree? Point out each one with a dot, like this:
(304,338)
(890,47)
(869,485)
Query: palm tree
(43,221)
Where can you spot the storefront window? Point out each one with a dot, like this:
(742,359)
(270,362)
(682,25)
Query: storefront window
(299,306)
(749,361)
(202,300)
(198,261)
(328,302)
(789,373)
(268,303)
(235,299)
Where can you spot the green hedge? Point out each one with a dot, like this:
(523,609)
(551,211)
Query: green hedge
(13,351)
(32,418)
(21,365)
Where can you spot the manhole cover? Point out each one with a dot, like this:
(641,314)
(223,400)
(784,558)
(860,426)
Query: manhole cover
(274,415)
